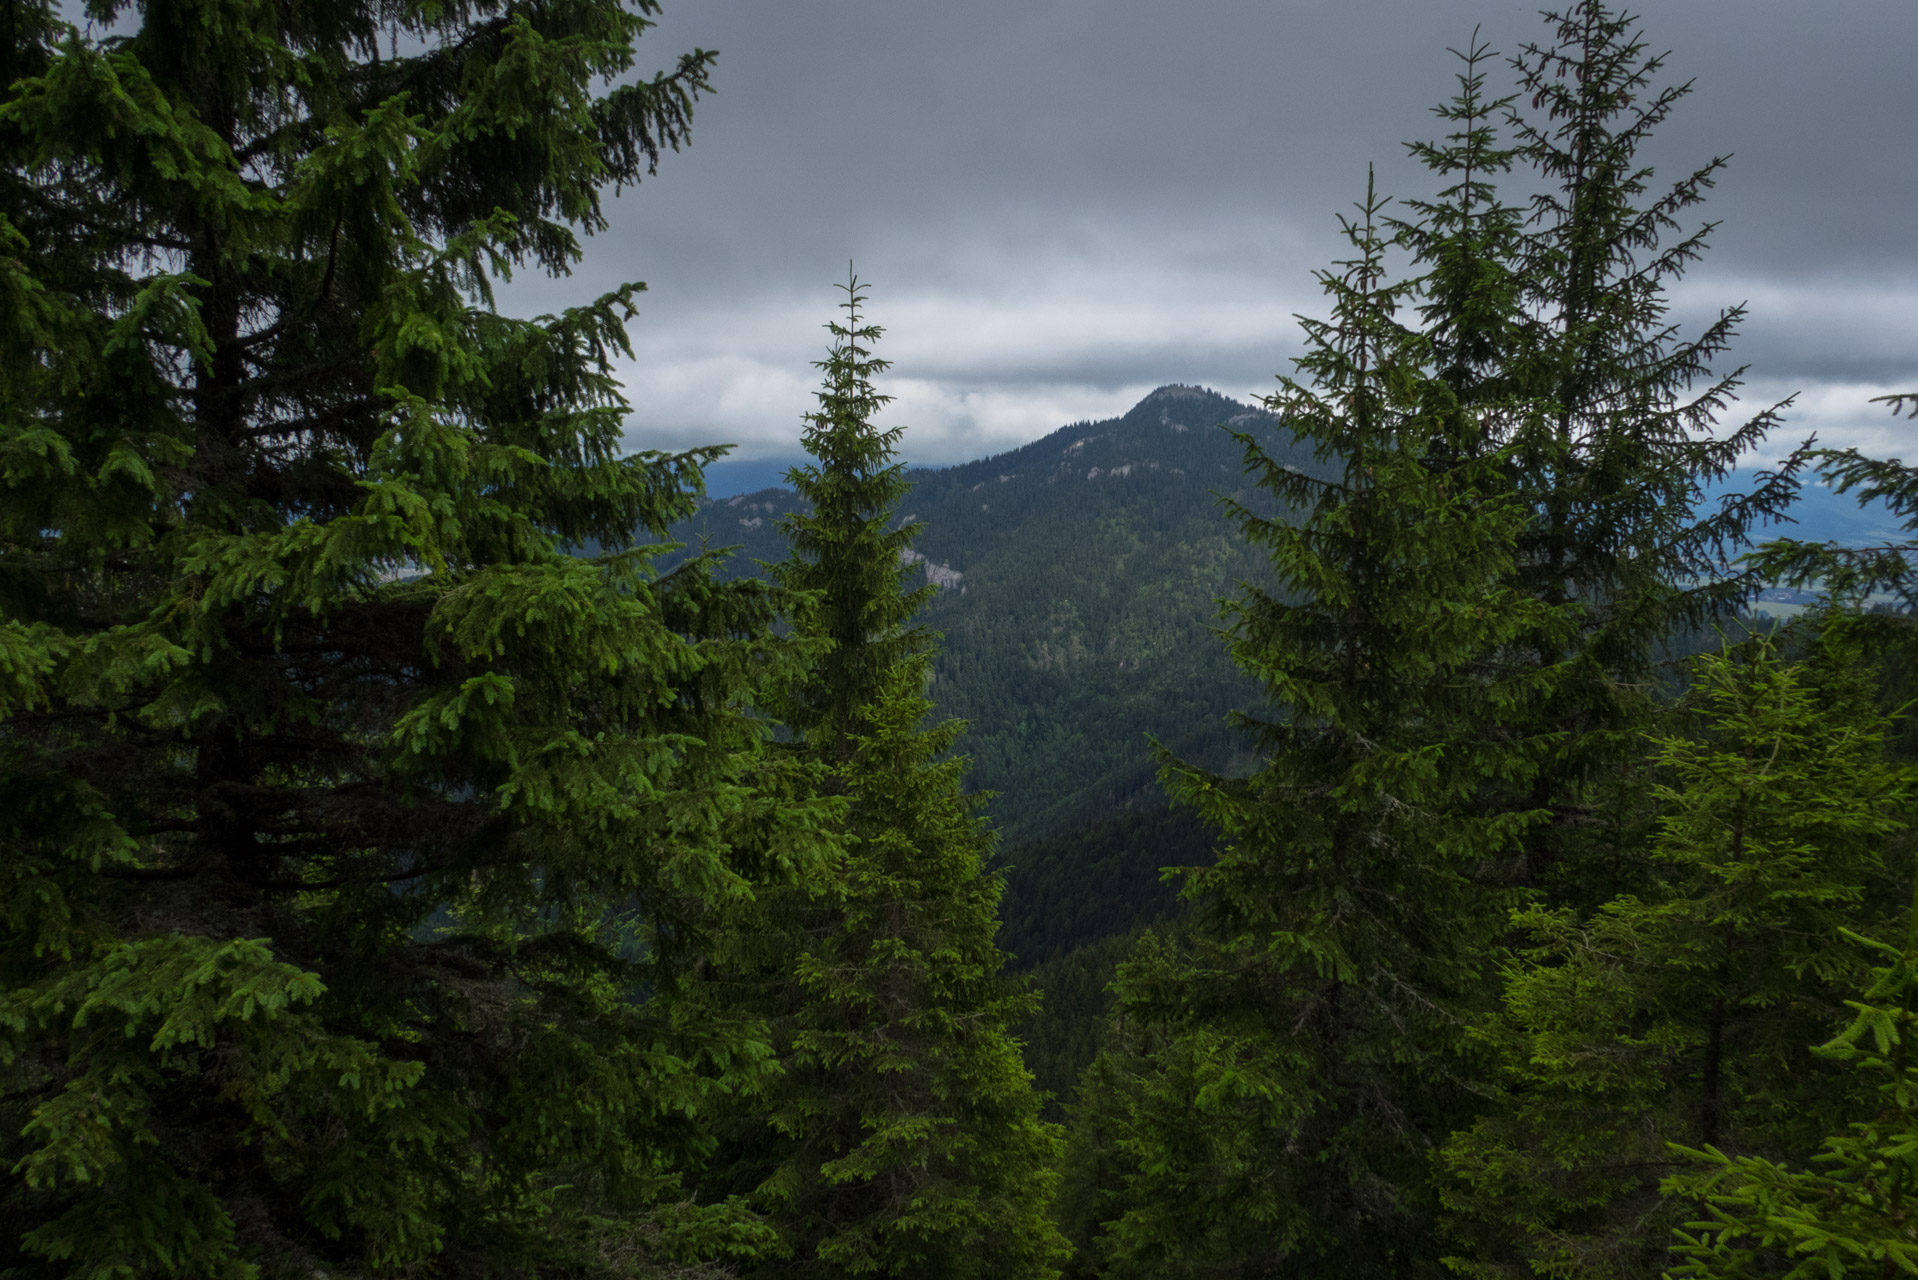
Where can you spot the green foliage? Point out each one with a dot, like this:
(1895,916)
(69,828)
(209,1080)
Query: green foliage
(851,568)
(1064,1034)
(1674,1013)
(903,1138)
(918,1147)
(386,888)
(354,833)
(1850,1212)
(1852,573)
(1104,880)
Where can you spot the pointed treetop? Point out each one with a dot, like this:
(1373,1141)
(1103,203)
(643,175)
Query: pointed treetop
(845,552)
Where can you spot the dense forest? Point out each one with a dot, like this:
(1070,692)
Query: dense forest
(1371,834)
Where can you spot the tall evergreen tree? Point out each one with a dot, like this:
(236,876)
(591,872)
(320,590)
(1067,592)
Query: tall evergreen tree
(352,832)
(1623,435)
(904,1135)
(1617,439)
(1469,243)
(1676,1013)
(1613,460)
(1276,1089)
(1282,1077)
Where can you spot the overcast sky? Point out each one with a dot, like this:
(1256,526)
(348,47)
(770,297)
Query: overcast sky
(1061,204)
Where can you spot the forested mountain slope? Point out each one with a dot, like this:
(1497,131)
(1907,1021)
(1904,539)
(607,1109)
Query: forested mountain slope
(1079,576)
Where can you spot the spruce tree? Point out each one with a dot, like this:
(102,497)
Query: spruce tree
(1613,460)
(904,1135)
(352,831)
(1469,242)
(1613,434)
(1624,435)
(1277,1084)
(1559,311)
(1280,1078)
(1676,1013)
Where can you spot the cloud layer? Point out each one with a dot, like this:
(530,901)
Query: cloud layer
(1063,203)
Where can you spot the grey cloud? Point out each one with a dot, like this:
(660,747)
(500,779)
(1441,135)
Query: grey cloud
(1063,201)
(1810,331)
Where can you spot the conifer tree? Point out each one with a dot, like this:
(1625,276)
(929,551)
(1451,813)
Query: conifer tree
(352,831)
(1611,431)
(1675,1013)
(1623,436)
(1469,243)
(904,1134)
(1271,1100)
(1283,1075)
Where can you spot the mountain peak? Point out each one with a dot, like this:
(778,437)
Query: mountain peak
(1180,391)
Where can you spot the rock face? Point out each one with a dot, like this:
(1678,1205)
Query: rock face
(944,577)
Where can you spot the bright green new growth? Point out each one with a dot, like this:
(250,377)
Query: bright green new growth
(1850,1212)
(906,1140)
(351,829)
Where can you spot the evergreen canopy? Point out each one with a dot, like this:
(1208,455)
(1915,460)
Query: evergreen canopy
(351,829)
